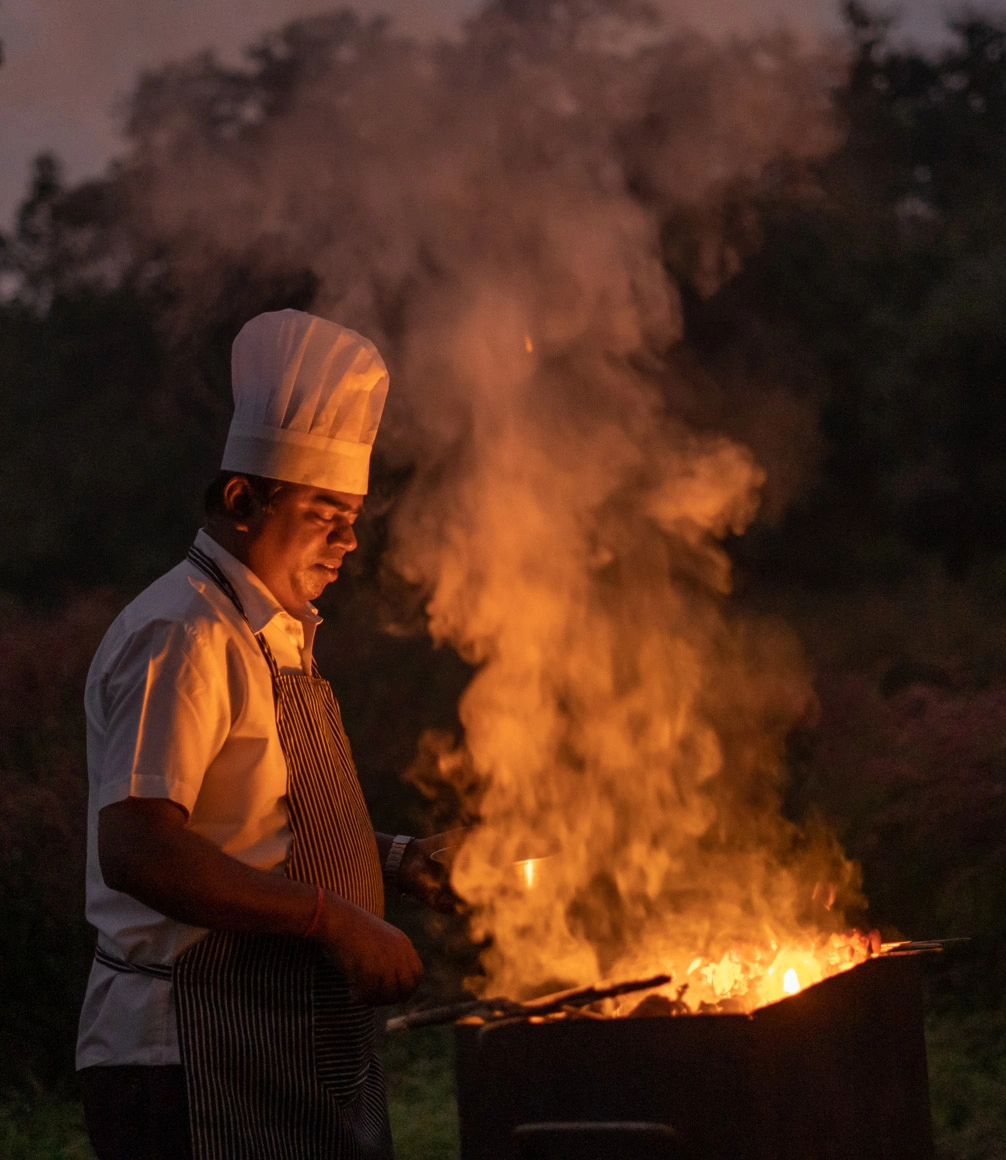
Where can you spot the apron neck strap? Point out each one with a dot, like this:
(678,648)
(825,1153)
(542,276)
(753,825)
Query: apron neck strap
(212,571)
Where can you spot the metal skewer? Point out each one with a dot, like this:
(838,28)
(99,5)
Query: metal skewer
(919,946)
(493,1010)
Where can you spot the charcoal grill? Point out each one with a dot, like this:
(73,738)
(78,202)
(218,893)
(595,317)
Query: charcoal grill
(836,1072)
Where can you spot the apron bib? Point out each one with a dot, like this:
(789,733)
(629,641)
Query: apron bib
(279,1057)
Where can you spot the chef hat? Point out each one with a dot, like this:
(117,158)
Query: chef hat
(308,396)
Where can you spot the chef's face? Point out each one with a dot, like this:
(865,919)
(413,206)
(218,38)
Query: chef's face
(296,545)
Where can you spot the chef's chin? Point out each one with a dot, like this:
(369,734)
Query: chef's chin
(321,577)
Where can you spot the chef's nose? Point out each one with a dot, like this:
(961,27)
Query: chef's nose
(344,536)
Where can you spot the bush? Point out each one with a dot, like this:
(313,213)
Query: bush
(967,1080)
(45,944)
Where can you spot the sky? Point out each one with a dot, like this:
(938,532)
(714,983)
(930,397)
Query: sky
(70,64)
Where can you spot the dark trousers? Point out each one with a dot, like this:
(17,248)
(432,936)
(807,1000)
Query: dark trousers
(134,1112)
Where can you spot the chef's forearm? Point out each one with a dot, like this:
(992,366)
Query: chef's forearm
(146,850)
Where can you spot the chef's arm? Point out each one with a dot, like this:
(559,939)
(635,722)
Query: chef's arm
(419,875)
(146,850)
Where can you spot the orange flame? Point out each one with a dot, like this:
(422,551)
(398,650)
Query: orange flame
(747,978)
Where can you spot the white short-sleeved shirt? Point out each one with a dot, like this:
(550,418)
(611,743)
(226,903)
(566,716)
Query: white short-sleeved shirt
(180,705)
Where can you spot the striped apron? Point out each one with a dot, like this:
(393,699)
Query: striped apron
(279,1057)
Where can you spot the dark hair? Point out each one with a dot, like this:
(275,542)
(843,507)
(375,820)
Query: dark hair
(264,492)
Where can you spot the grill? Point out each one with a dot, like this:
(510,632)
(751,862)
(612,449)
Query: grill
(836,1072)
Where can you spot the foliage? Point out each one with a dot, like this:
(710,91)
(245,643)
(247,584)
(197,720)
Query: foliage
(117,427)
(45,946)
(887,297)
(917,775)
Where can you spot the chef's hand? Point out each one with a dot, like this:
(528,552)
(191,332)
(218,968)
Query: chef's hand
(426,880)
(379,960)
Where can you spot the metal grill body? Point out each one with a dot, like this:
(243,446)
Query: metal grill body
(837,1072)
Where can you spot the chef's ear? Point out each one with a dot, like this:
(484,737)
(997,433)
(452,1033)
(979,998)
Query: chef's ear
(240,500)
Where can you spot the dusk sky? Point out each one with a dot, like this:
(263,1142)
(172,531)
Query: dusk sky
(68,64)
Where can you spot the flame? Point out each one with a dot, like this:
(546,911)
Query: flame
(528,869)
(528,344)
(747,977)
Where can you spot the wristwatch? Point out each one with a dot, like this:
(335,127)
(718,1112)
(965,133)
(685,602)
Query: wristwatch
(393,862)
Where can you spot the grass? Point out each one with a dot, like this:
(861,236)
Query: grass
(43,1128)
(967,1083)
(421,1097)
(421,1102)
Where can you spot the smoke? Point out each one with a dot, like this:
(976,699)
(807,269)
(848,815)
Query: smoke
(513,218)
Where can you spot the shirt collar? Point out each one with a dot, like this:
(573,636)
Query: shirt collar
(260,606)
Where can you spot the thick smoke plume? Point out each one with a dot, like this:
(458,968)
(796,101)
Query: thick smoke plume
(514,218)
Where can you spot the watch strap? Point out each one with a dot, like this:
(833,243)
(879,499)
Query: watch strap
(393,862)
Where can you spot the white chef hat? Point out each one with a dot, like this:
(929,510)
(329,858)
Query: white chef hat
(308,396)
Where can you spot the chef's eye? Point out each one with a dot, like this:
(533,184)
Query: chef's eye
(336,519)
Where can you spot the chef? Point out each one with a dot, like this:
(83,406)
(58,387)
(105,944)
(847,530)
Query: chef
(233,874)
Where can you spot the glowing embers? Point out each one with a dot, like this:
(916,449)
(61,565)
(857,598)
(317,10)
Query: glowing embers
(744,980)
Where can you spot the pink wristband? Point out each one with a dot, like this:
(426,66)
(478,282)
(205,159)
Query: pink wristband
(319,906)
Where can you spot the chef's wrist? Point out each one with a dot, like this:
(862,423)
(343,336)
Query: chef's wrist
(338,920)
(392,869)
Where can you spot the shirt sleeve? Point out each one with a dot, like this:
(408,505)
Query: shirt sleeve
(166,711)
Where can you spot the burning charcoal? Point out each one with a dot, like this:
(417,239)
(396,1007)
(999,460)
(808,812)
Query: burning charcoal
(655,1006)
(585,1013)
(728,1006)
(658,1005)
